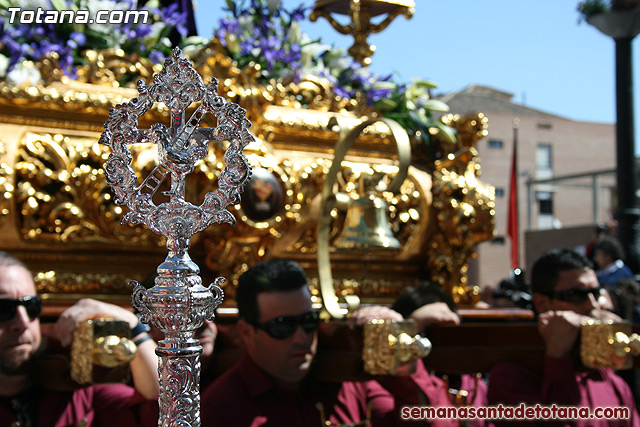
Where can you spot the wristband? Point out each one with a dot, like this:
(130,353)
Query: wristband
(142,339)
(139,328)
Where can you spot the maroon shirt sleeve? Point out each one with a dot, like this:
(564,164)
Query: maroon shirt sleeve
(419,389)
(121,405)
(560,385)
(98,405)
(511,384)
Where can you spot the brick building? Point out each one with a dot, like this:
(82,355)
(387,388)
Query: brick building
(549,146)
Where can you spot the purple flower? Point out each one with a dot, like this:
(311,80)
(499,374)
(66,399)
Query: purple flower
(141,31)
(246,47)
(171,17)
(299,13)
(342,92)
(156,57)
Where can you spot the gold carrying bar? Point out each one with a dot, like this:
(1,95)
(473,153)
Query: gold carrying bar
(392,347)
(100,342)
(608,344)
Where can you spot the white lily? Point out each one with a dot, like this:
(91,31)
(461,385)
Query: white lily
(273,5)
(246,23)
(295,34)
(4,63)
(93,6)
(33,4)
(24,73)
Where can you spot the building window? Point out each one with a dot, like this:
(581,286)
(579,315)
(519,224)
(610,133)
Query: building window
(499,192)
(543,157)
(498,240)
(544,125)
(545,202)
(495,144)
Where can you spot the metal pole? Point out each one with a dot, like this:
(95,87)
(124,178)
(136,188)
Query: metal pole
(516,126)
(626,174)
(530,202)
(596,197)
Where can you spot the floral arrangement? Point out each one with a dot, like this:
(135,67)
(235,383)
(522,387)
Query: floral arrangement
(34,41)
(255,31)
(264,32)
(589,8)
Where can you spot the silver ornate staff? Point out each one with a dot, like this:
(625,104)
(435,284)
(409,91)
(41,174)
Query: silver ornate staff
(178,303)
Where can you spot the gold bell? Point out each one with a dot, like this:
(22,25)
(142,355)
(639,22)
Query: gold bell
(367,226)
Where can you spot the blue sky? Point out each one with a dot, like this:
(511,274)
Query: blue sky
(535,49)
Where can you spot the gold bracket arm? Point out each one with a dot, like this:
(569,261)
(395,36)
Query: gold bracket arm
(342,29)
(345,141)
(376,28)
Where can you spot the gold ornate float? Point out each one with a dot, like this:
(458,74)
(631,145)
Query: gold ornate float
(57,214)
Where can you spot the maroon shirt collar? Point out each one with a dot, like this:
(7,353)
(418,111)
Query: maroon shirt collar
(255,379)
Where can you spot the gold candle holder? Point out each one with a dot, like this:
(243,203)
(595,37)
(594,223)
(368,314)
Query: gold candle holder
(360,12)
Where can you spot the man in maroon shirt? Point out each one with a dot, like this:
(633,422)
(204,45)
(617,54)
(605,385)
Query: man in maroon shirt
(269,386)
(565,293)
(429,304)
(22,404)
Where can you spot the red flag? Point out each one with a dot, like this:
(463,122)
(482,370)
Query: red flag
(512,216)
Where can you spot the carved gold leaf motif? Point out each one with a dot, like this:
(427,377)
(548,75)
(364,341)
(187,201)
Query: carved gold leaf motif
(6,184)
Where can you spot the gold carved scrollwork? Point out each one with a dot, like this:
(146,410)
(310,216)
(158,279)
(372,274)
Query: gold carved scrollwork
(61,193)
(464,210)
(368,288)
(471,128)
(291,231)
(237,85)
(49,68)
(6,184)
(60,284)
(112,67)
(108,67)
(232,250)
(314,93)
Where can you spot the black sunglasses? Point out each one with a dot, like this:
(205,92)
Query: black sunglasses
(9,307)
(576,295)
(284,326)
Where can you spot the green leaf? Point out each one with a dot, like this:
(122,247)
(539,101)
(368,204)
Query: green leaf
(59,4)
(387,104)
(425,84)
(425,136)
(447,132)
(384,85)
(435,105)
